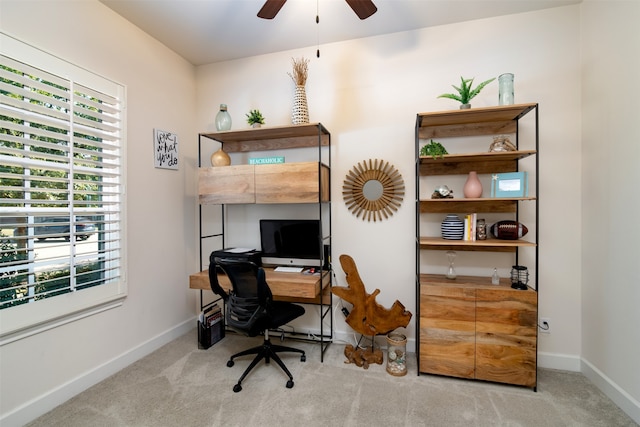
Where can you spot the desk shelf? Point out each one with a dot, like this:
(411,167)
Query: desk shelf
(293,287)
(304,182)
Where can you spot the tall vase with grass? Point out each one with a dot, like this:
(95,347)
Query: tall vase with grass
(300,111)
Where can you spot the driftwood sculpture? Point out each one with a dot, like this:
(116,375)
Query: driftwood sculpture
(362,357)
(367,316)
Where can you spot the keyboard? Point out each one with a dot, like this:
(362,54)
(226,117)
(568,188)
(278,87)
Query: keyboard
(284,269)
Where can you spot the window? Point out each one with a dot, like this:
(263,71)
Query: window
(61,197)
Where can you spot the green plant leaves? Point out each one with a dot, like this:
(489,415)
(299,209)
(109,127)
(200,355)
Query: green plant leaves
(465,94)
(479,87)
(255,116)
(433,149)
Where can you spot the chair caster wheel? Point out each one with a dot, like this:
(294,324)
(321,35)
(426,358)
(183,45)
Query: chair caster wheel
(238,387)
(289,384)
(230,363)
(303,358)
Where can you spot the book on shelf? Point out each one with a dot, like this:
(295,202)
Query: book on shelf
(470,227)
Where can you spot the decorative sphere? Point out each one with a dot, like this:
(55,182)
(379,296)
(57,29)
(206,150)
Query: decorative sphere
(220,158)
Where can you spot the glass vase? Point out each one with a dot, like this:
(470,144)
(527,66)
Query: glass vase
(223,118)
(396,354)
(505,89)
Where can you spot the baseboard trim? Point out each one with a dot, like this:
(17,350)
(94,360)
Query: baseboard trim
(620,397)
(43,404)
(562,362)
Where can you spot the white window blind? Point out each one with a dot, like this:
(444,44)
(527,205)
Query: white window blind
(61,196)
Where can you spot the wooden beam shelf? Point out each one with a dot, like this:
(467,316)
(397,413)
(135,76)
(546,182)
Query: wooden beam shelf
(492,245)
(271,138)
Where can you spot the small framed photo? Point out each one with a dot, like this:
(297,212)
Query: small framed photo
(512,184)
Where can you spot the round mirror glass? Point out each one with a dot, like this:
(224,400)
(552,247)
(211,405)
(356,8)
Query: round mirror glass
(372,190)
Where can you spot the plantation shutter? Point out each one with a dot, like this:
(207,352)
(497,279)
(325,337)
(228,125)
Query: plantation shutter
(61,189)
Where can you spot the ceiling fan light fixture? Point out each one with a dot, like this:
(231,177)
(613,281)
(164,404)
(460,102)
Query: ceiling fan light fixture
(362,8)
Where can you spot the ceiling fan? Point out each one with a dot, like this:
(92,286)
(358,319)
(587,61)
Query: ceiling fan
(362,8)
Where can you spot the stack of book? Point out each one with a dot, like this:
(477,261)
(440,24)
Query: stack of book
(211,315)
(470,227)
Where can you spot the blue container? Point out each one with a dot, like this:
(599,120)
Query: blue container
(452,228)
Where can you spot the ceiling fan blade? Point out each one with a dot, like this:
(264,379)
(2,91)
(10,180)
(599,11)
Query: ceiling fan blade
(270,9)
(362,8)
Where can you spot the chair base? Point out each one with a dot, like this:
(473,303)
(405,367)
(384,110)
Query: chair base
(266,351)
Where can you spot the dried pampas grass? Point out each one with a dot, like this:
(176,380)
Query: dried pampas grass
(300,69)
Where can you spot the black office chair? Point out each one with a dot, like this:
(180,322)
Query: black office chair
(250,309)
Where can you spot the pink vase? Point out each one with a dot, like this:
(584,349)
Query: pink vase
(473,187)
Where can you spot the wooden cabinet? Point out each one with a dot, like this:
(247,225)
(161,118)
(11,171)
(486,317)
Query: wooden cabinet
(302,182)
(296,182)
(467,327)
(299,182)
(227,185)
(475,331)
(506,331)
(447,330)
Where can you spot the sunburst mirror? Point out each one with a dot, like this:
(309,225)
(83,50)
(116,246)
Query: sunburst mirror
(373,190)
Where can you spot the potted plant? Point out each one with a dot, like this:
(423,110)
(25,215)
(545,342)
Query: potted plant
(465,93)
(254,118)
(433,149)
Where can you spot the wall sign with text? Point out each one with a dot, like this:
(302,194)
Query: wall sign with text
(165,149)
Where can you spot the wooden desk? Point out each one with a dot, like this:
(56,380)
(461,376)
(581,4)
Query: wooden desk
(293,287)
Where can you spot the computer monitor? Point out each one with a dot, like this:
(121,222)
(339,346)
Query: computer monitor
(292,242)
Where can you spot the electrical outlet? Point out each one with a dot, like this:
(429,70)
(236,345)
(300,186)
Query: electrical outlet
(544,325)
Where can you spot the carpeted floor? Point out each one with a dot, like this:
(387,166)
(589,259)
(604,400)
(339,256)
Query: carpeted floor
(180,385)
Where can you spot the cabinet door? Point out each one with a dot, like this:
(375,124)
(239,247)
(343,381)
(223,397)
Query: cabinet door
(227,184)
(289,182)
(506,324)
(447,330)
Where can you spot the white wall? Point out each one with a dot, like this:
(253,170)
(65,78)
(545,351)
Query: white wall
(611,200)
(37,371)
(368,91)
